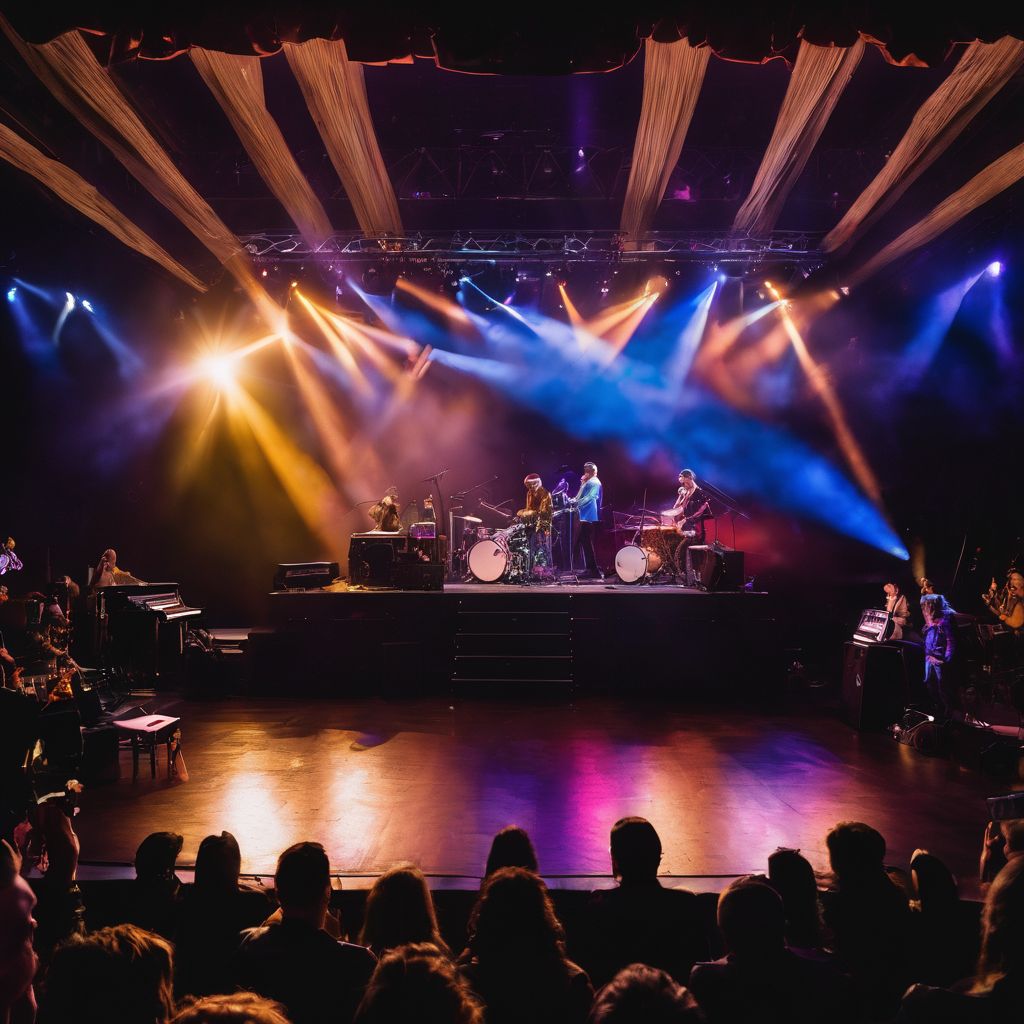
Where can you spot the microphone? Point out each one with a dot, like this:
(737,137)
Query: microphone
(437,476)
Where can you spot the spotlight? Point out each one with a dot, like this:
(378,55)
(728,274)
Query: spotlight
(87,306)
(264,272)
(219,370)
(295,284)
(995,268)
(580,153)
(12,293)
(655,285)
(69,300)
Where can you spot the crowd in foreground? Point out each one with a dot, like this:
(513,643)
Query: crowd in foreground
(875,944)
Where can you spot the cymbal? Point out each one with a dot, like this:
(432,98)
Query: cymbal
(469,519)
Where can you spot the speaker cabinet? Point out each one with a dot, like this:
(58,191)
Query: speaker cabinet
(875,684)
(717,569)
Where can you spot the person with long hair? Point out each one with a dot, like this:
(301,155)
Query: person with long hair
(418,982)
(400,911)
(790,874)
(939,650)
(511,848)
(996,993)
(515,960)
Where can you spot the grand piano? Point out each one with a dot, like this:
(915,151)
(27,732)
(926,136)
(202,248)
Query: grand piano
(141,628)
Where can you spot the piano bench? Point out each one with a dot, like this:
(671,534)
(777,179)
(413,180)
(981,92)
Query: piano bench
(146,732)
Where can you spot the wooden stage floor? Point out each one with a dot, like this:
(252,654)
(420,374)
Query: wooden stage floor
(377,782)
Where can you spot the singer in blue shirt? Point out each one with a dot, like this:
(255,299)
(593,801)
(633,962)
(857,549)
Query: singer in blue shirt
(588,503)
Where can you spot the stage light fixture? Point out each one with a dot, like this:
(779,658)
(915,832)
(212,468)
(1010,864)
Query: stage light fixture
(12,293)
(87,306)
(655,285)
(69,301)
(219,370)
(995,268)
(295,284)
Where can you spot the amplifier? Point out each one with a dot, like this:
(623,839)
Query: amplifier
(372,558)
(418,576)
(305,575)
(717,568)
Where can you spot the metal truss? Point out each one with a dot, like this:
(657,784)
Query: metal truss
(547,247)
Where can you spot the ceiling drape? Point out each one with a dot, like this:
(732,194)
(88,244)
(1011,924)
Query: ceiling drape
(77,192)
(980,73)
(236,82)
(335,93)
(67,67)
(998,176)
(673,76)
(820,74)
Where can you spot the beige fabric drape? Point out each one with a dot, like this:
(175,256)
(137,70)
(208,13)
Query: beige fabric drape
(819,76)
(980,73)
(673,75)
(67,67)
(335,94)
(237,84)
(77,192)
(999,175)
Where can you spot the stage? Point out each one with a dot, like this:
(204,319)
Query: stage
(427,780)
(477,638)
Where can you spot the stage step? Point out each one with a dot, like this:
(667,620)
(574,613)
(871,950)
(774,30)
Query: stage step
(511,647)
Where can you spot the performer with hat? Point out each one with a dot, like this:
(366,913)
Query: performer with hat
(537,516)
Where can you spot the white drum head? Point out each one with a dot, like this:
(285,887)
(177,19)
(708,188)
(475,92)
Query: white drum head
(630,563)
(487,561)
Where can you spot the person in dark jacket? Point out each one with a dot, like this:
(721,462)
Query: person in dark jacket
(293,960)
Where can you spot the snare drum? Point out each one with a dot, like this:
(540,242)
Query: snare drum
(631,563)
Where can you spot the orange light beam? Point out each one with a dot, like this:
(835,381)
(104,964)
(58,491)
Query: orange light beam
(818,380)
(439,303)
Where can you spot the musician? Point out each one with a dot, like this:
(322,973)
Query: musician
(109,574)
(588,503)
(896,605)
(537,515)
(939,649)
(386,514)
(9,561)
(692,507)
(1007,604)
(926,585)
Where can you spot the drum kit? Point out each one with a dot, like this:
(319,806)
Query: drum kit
(657,550)
(501,556)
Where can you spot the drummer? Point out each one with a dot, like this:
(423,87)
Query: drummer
(537,515)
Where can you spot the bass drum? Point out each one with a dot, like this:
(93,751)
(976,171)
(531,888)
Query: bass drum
(631,563)
(488,560)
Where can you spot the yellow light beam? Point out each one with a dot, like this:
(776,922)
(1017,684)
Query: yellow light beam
(439,303)
(819,382)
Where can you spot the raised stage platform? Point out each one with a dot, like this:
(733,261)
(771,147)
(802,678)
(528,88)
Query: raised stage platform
(603,638)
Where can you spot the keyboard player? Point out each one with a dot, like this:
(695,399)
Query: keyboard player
(108,573)
(386,515)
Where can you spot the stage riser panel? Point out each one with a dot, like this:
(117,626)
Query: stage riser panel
(621,641)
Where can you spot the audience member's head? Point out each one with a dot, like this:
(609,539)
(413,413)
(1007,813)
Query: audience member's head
(635,848)
(751,918)
(514,919)
(1002,929)
(303,882)
(417,982)
(118,974)
(511,848)
(155,857)
(639,994)
(934,883)
(237,1008)
(1013,837)
(218,864)
(399,911)
(856,852)
(790,874)
(18,962)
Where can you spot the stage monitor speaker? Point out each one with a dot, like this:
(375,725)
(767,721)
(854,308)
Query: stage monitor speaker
(305,575)
(419,576)
(717,568)
(874,685)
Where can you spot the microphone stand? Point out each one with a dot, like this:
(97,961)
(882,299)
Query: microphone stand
(459,496)
(436,481)
(730,507)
